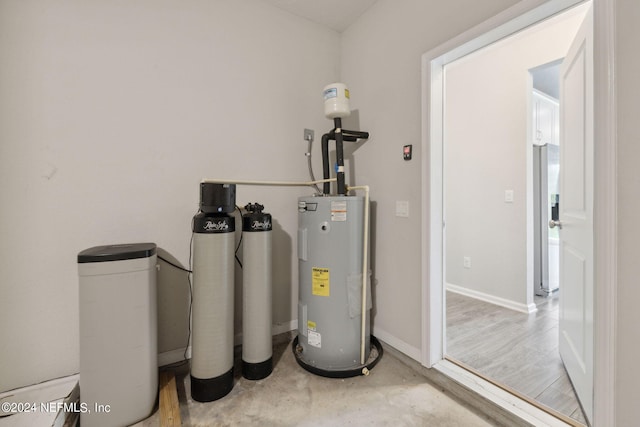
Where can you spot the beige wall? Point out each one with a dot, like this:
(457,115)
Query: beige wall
(111,112)
(486,153)
(110,115)
(381,63)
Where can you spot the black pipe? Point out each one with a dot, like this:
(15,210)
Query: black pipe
(356,134)
(339,135)
(326,187)
(349,138)
(346,136)
(339,156)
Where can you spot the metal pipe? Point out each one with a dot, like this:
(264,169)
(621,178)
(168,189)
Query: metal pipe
(308,154)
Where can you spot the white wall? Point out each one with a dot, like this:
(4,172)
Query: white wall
(486,153)
(110,115)
(82,84)
(627,65)
(381,64)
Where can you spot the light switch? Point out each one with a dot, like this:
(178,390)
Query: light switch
(508,196)
(402,208)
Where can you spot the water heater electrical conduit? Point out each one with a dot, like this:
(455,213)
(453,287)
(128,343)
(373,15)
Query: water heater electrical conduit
(365,266)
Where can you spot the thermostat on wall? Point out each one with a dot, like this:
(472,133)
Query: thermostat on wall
(406,152)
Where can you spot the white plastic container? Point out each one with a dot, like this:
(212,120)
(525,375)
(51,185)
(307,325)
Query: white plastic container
(118,334)
(336,101)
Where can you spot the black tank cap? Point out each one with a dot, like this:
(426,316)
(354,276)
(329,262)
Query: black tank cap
(117,252)
(256,220)
(217,198)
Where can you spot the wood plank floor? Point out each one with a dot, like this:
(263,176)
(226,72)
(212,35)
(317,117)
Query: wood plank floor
(516,349)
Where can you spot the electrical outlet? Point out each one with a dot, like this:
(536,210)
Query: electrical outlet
(466,262)
(308,135)
(402,208)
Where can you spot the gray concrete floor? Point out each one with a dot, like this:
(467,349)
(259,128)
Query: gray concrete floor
(394,394)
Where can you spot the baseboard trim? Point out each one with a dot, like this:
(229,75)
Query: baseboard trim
(403,347)
(502,302)
(177,355)
(281,328)
(173,356)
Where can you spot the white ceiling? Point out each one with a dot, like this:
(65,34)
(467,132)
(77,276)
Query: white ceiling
(335,14)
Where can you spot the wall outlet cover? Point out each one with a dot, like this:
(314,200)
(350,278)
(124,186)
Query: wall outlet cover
(402,208)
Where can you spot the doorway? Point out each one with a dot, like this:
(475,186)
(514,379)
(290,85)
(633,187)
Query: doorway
(545,140)
(518,17)
(488,202)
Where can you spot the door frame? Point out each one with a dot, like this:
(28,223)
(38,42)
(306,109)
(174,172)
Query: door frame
(512,20)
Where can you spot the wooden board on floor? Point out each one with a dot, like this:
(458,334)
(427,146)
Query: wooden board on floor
(169,404)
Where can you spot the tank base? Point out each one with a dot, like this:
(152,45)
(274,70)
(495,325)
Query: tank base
(345,373)
(210,389)
(257,371)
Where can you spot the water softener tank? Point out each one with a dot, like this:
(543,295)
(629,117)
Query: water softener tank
(257,350)
(213,293)
(118,334)
(330,253)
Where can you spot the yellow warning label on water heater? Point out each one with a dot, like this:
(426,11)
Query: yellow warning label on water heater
(311,325)
(320,281)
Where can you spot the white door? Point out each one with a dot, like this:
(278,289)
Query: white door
(576,214)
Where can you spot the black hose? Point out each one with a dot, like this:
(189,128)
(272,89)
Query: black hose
(175,265)
(346,373)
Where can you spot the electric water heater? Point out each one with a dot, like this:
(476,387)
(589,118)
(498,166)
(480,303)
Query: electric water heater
(213,293)
(330,255)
